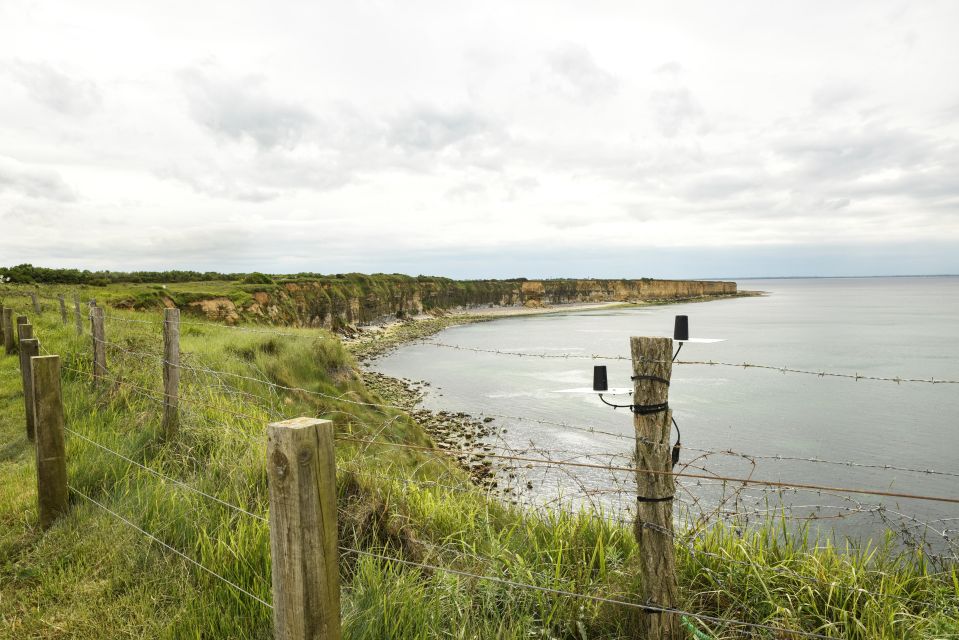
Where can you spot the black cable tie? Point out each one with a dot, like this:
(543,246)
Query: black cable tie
(645,499)
(655,378)
(648,409)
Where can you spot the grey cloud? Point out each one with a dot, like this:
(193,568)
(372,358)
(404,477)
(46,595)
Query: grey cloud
(426,128)
(217,184)
(30,216)
(56,90)
(834,94)
(675,110)
(33,182)
(574,73)
(239,108)
(466,191)
(851,153)
(722,185)
(671,68)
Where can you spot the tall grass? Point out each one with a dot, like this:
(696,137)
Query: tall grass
(92,576)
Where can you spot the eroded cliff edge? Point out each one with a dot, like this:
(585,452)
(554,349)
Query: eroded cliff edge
(337,302)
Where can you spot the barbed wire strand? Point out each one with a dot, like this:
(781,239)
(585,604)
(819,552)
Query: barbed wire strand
(649,607)
(166,478)
(768,483)
(714,363)
(168,547)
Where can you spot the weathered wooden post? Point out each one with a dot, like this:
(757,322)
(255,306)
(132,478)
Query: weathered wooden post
(8,340)
(29,347)
(36,302)
(171,371)
(99,344)
(51,455)
(652,419)
(79,316)
(21,320)
(63,308)
(301,470)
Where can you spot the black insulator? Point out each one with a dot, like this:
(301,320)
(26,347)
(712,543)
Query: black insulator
(676,448)
(599,378)
(681,331)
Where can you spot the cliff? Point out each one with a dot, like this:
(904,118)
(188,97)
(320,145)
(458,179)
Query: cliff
(339,301)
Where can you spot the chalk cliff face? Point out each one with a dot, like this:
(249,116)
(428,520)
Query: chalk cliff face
(335,305)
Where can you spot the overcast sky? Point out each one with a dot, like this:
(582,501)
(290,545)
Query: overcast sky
(499,139)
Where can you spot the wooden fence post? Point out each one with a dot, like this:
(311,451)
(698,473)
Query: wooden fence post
(20,321)
(301,470)
(652,419)
(63,308)
(8,342)
(171,371)
(36,302)
(51,455)
(29,347)
(79,316)
(99,344)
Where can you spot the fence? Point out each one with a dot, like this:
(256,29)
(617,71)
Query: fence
(301,469)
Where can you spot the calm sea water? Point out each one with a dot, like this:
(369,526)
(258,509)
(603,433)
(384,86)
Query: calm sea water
(906,327)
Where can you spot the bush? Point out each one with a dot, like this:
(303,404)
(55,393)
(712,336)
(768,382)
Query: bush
(257,278)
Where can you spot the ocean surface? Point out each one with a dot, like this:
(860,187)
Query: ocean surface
(892,327)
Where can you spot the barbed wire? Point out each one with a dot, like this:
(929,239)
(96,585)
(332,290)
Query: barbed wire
(173,549)
(714,363)
(769,483)
(165,478)
(162,394)
(648,607)
(686,540)
(728,451)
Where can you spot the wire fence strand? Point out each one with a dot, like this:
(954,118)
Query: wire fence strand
(173,549)
(647,607)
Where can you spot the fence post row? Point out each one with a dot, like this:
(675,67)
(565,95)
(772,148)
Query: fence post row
(99,344)
(8,343)
(171,371)
(652,419)
(79,316)
(51,456)
(36,303)
(63,308)
(301,472)
(29,347)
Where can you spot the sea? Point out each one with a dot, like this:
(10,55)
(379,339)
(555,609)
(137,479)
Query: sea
(851,436)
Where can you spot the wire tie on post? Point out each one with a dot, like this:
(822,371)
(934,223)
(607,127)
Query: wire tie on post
(648,409)
(645,499)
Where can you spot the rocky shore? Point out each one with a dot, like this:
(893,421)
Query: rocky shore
(459,434)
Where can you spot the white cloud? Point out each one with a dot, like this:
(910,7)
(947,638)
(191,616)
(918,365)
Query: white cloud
(242,107)
(64,93)
(317,136)
(34,182)
(572,72)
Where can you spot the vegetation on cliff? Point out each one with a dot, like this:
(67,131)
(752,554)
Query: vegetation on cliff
(342,300)
(93,576)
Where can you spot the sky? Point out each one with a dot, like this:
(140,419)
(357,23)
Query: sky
(494,139)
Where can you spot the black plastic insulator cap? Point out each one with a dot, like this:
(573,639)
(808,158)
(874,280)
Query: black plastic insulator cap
(681,331)
(599,378)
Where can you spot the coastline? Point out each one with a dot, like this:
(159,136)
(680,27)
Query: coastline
(460,435)
(372,341)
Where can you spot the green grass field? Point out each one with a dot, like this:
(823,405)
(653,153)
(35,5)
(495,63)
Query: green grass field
(94,576)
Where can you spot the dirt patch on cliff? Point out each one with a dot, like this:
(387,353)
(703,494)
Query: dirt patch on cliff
(221,309)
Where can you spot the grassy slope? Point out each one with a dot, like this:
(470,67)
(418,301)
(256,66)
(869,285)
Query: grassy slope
(91,576)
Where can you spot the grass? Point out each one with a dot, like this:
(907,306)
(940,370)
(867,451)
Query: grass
(92,576)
